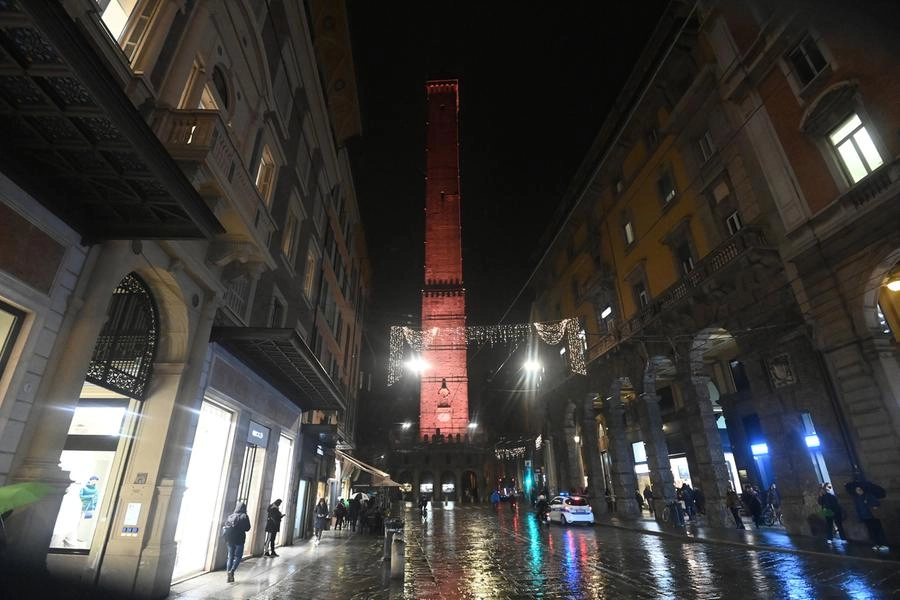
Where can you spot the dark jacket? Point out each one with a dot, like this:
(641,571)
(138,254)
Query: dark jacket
(353,509)
(237,524)
(273,519)
(830,502)
(864,504)
(752,503)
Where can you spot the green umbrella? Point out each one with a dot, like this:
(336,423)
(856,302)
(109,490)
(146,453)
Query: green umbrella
(21,494)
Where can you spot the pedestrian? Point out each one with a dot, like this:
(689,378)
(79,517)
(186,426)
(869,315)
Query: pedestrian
(640,500)
(773,499)
(353,509)
(753,505)
(235,533)
(423,506)
(321,513)
(687,495)
(273,526)
(699,501)
(865,503)
(340,514)
(495,498)
(648,496)
(610,501)
(832,513)
(733,503)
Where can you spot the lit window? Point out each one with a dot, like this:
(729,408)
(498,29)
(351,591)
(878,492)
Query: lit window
(807,61)
(685,258)
(265,175)
(207,100)
(128,21)
(640,295)
(628,230)
(855,148)
(734,222)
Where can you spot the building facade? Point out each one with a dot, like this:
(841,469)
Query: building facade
(715,244)
(183,278)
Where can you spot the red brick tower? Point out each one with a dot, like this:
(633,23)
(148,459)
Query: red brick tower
(444,400)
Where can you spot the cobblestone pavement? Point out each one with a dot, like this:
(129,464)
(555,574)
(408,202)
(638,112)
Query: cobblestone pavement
(478,553)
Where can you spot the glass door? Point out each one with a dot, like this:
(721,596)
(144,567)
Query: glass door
(201,505)
(281,483)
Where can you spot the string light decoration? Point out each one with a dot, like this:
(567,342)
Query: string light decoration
(509,453)
(550,333)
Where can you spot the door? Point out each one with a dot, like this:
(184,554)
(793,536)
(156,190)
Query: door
(201,505)
(281,483)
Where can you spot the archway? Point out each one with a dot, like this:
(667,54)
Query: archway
(426,485)
(449,486)
(469,487)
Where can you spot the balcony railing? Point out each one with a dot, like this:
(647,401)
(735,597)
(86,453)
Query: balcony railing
(873,185)
(747,240)
(201,136)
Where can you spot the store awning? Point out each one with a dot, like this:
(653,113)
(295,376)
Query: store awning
(75,141)
(283,359)
(379,478)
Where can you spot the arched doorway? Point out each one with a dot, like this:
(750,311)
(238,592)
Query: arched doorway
(105,416)
(448,486)
(426,485)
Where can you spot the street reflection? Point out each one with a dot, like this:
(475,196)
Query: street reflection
(659,566)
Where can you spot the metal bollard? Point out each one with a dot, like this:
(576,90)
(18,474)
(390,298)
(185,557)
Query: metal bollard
(388,538)
(398,557)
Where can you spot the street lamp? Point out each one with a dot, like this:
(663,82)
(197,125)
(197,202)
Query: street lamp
(531,366)
(473,425)
(893,281)
(416,364)
(406,425)
(577,439)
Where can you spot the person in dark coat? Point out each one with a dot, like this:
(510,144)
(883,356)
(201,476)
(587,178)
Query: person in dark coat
(832,513)
(353,509)
(687,494)
(235,532)
(321,513)
(753,505)
(640,500)
(648,496)
(733,503)
(865,503)
(273,526)
(340,513)
(699,501)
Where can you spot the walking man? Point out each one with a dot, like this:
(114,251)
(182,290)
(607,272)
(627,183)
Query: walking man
(235,533)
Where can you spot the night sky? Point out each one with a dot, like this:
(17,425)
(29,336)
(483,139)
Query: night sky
(536,82)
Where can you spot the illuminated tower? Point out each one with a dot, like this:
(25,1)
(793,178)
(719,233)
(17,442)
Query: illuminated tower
(444,400)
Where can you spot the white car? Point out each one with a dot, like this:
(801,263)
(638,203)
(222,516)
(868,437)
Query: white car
(571,509)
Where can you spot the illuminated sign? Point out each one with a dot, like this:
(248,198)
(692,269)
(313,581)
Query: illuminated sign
(258,435)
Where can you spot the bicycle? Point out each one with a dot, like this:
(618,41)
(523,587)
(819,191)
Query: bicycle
(771,516)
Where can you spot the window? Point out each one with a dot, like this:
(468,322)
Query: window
(207,100)
(855,148)
(290,234)
(128,21)
(218,80)
(666,187)
(685,257)
(641,297)
(10,323)
(309,274)
(276,316)
(806,60)
(265,175)
(319,214)
(706,146)
(733,222)
(628,231)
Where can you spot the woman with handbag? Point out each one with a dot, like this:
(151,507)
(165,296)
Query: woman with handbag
(832,513)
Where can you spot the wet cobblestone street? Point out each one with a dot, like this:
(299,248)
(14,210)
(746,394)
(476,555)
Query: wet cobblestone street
(475,553)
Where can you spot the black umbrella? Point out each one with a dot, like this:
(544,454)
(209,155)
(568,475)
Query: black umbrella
(867,486)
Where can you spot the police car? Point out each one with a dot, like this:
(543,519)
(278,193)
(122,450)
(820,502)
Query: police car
(565,509)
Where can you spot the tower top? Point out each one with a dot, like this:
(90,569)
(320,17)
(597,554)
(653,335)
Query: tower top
(438,87)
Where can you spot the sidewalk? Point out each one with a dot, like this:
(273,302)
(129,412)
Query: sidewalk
(342,565)
(767,538)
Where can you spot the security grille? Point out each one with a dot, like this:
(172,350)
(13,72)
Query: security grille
(124,353)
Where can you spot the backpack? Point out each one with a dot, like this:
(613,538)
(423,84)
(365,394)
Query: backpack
(226,532)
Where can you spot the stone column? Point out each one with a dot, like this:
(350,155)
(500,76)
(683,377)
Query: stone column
(591,453)
(622,461)
(789,457)
(657,450)
(143,565)
(31,529)
(706,442)
(573,450)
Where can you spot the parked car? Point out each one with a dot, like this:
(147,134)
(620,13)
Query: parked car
(571,509)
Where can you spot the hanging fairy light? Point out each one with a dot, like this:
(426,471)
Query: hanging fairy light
(509,453)
(552,333)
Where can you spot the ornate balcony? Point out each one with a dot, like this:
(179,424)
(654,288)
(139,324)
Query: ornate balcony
(200,141)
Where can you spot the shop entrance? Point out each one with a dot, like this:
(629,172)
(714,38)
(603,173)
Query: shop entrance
(281,483)
(252,475)
(201,505)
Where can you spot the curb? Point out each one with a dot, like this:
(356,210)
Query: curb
(747,545)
